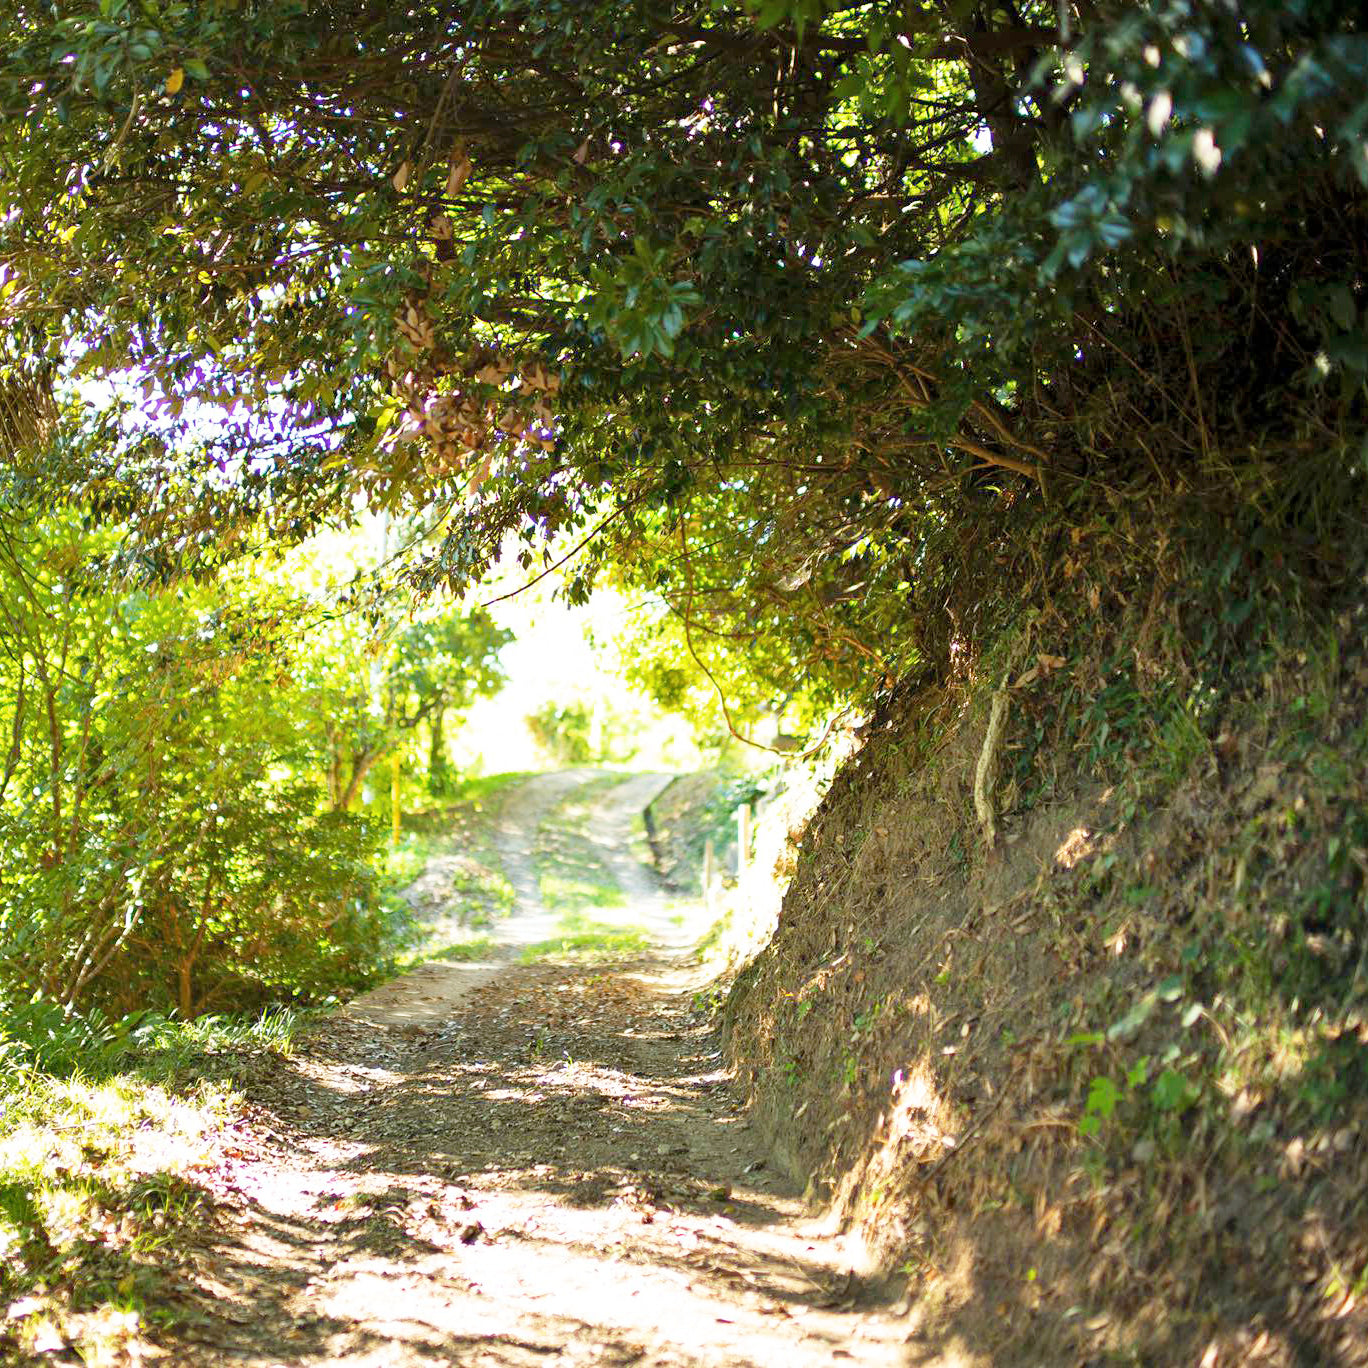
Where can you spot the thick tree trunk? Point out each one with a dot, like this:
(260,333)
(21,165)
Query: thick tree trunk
(995,88)
(438,770)
(362,765)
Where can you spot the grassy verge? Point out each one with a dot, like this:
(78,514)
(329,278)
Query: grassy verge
(463,951)
(108,1133)
(584,939)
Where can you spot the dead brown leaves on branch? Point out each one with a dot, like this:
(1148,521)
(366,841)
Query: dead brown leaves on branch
(467,407)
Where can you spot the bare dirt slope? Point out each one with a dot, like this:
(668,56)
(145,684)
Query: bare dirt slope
(543,1162)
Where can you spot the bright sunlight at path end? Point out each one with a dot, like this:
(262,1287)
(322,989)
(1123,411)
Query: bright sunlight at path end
(526,1161)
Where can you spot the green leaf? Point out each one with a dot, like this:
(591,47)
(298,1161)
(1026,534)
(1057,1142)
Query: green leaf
(1139,1014)
(1172,1092)
(1172,988)
(1342,307)
(1103,1095)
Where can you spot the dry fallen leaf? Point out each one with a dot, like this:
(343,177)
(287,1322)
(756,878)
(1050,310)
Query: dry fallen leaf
(460,169)
(401,176)
(581,152)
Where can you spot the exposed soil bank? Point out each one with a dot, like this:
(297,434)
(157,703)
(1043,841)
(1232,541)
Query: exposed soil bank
(1101,1088)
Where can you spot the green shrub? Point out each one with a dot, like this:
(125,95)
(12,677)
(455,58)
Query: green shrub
(163,840)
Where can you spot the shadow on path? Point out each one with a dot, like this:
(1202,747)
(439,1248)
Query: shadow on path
(514,1163)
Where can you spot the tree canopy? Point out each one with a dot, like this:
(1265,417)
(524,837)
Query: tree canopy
(796,313)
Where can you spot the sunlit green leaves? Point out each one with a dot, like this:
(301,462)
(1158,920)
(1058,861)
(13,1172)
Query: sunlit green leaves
(163,832)
(636,303)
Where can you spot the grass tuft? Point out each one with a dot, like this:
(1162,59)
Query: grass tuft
(107,1137)
(587,940)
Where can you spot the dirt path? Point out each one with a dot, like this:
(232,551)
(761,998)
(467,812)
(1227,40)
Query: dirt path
(515,837)
(548,1169)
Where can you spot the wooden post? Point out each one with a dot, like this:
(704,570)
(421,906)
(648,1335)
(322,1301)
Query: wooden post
(743,839)
(395,813)
(596,730)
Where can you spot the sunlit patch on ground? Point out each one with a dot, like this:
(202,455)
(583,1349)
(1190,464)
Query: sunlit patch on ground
(560,1164)
(496,1163)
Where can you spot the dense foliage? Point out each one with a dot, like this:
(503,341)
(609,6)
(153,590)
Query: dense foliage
(842,334)
(377,690)
(808,308)
(167,837)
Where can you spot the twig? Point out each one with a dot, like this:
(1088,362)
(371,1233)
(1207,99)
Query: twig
(962,1143)
(569,555)
(965,444)
(1192,375)
(123,132)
